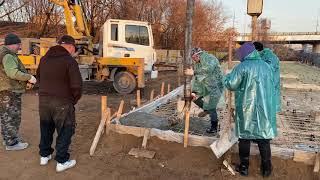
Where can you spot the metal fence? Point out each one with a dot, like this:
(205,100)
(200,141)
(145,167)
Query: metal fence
(310,58)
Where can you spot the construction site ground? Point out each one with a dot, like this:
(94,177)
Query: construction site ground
(111,159)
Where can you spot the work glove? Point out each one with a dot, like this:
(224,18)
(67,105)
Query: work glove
(228,71)
(32,80)
(189,72)
(29,86)
(193,96)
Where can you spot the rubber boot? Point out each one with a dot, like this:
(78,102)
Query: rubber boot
(265,153)
(244,153)
(213,128)
(242,169)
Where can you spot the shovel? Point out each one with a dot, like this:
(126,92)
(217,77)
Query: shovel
(224,143)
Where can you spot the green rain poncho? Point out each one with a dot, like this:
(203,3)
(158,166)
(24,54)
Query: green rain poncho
(253,84)
(269,57)
(208,80)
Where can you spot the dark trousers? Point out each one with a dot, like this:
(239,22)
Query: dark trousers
(57,115)
(213,112)
(264,148)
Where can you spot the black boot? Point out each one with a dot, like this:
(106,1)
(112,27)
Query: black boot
(242,169)
(266,172)
(265,153)
(213,128)
(244,153)
(266,169)
(203,113)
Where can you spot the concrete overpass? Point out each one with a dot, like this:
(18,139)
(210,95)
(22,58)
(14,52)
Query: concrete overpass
(303,38)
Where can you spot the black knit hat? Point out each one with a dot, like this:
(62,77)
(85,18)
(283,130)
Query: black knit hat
(66,39)
(258,46)
(11,39)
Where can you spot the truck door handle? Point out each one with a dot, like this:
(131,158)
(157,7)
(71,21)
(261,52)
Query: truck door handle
(126,55)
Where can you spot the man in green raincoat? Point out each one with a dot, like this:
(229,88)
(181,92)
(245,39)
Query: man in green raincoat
(252,81)
(269,57)
(207,85)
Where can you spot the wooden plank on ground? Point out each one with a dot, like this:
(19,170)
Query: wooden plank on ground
(136,152)
(307,87)
(305,157)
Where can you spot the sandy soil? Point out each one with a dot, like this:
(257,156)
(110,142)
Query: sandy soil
(111,160)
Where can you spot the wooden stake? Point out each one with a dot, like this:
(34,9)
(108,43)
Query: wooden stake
(103,108)
(138,98)
(316,164)
(145,138)
(168,88)
(151,94)
(162,89)
(186,129)
(108,121)
(103,104)
(120,109)
(104,115)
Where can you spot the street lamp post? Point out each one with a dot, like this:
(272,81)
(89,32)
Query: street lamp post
(254,9)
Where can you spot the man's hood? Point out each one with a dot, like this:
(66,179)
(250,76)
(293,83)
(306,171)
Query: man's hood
(57,51)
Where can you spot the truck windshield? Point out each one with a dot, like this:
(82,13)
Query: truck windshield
(137,35)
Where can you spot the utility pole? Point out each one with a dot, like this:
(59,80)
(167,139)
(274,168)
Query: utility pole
(254,27)
(317,21)
(254,9)
(234,17)
(188,64)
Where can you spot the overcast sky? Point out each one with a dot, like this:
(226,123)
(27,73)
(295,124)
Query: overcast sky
(285,15)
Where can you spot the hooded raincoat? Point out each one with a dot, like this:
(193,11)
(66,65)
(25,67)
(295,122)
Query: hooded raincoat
(269,57)
(208,80)
(253,84)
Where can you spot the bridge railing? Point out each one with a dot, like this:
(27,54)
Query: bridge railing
(283,33)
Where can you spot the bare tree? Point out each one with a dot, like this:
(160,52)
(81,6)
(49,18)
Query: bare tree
(167,18)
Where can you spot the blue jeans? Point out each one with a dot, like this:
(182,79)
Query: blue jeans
(213,112)
(214,118)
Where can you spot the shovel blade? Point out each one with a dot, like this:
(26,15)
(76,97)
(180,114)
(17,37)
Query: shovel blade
(226,141)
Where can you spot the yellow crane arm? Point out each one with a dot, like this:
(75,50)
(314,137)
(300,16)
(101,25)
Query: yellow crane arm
(79,30)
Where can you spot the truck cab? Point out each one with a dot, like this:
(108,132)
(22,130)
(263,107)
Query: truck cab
(128,39)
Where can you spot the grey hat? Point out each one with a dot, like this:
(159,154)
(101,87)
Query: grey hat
(196,50)
(11,39)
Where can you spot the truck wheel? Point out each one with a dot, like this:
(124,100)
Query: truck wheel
(124,82)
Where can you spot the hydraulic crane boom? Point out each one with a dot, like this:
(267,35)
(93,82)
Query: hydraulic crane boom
(72,8)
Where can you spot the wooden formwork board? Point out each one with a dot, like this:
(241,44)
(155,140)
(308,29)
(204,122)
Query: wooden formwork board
(194,140)
(297,86)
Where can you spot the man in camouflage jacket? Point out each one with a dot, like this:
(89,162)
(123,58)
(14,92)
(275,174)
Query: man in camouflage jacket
(13,82)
